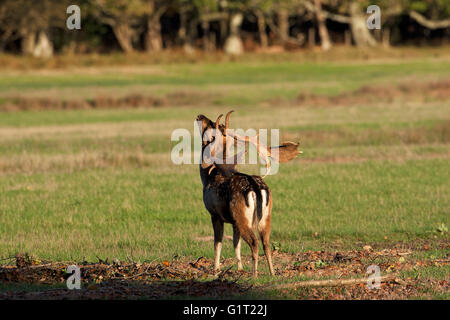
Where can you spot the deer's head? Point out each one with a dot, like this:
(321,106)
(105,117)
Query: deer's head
(218,142)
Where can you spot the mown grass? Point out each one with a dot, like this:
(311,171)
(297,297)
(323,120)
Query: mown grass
(149,141)
(240,82)
(78,184)
(140,212)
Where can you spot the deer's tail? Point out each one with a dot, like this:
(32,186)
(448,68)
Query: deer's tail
(258,212)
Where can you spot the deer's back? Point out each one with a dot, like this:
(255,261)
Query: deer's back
(224,191)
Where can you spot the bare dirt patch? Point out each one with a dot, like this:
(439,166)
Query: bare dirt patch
(100,102)
(408,91)
(135,100)
(185,277)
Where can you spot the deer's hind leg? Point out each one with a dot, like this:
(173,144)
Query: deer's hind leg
(264,230)
(249,236)
(243,215)
(237,246)
(265,238)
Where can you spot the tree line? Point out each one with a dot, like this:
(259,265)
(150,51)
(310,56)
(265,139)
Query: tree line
(38,27)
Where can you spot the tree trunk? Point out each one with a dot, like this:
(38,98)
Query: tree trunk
(124,35)
(312,37)
(386,37)
(283,25)
(233,44)
(223,31)
(212,42)
(40,46)
(323,31)
(5,37)
(182,31)
(376,33)
(262,29)
(347,38)
(184,34)
(192,33)
(205,38)
(446,38)
(235,23)
(153,39)
(28,42)
(360,32)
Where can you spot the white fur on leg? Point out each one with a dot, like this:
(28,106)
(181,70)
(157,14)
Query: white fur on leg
(217,250)
(237,250)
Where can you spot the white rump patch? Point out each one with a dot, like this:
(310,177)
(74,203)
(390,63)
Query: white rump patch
(265,210)
(250,209)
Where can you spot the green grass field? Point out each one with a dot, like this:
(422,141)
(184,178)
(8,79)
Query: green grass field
(80,184)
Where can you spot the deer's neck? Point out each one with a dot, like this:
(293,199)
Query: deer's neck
(225,171)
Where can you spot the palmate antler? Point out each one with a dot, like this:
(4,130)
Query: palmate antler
(286,152)
(262,149)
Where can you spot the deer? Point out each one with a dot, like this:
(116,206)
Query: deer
(230,196)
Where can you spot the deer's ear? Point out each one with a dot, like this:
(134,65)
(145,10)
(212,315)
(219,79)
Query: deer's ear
(286,152)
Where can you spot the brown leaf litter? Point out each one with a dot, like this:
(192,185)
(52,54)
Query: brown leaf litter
(183,277)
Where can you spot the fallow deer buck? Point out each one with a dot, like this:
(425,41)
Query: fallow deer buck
(233,197)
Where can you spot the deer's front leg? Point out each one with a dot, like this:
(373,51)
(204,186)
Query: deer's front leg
(218,237)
